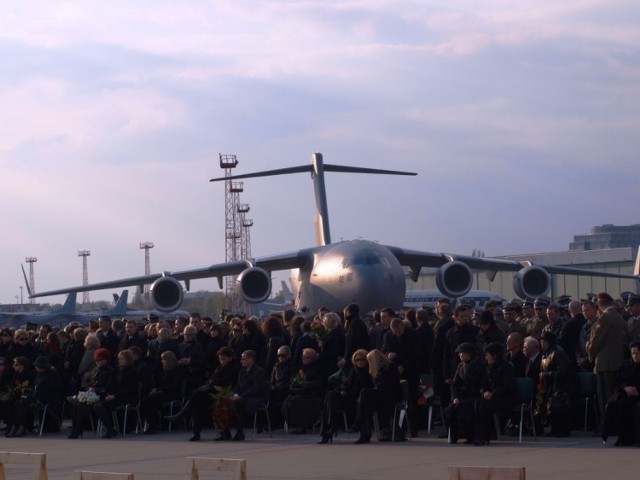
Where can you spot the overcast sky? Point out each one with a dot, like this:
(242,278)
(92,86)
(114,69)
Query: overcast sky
(522,120)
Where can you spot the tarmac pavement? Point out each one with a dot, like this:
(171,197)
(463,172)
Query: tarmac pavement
(287,456)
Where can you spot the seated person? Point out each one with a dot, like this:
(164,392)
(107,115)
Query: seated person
(98,382)
(381,398)
(281,376)
(465,390)
(124,390)
(249,393)
(497,391)
(169,389)
(47,390)
(303,406)
(345,398)
(200,402)
(619,412)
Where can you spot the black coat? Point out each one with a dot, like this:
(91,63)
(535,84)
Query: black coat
(47,387)
(426,338)
(467,380)
(332,350)
(251,386)
(356,336)
(456,336)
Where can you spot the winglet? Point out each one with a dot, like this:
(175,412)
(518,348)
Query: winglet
(636,269)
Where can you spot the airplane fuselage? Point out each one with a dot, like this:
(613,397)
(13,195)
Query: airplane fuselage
(356,271)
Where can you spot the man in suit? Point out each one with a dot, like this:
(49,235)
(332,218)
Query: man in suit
(606,348)
(250,390)
(532,352)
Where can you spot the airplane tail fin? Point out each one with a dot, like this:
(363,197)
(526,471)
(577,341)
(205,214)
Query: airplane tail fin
(287,295)
(69,306)
(317,169)
(120,307)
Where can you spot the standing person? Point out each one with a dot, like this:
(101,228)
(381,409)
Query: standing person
(515,354)
(570,333)
(377,333)
(108,338)
(606,348)
(590,312)
(425,335)
(356,333)
(333,345)
(443,325)
(133,337)
(633,323)
(462,331)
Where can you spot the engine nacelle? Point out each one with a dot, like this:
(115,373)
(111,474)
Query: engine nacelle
(531,282)
(454,279)
(166,294)
(254,284)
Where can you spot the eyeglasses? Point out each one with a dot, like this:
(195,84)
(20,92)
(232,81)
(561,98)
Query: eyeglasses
(23,339)
(359,359)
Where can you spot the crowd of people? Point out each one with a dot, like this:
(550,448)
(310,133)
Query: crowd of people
(334,368)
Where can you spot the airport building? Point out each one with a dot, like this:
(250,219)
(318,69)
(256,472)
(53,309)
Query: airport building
(607,248)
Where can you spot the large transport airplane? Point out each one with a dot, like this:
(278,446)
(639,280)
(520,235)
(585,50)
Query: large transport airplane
(336,274)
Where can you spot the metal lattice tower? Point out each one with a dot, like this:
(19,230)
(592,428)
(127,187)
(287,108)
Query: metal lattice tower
(85,274)
(146,246)
(32,278)
(232,226)
(245,224)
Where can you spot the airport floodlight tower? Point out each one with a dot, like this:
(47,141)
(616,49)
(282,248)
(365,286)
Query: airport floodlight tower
(32,278)
(85,274)
(146,246)
(232,226)
(245,224)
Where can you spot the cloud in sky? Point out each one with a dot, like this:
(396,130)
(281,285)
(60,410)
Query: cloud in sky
(521,119)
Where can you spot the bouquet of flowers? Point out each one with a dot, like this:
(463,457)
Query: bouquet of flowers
(89,397)
(425,394)
(16,390)
(318,332)
(540,408)
(223,409)
(298,380)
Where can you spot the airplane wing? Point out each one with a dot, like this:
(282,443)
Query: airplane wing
(284,261)
(415,260)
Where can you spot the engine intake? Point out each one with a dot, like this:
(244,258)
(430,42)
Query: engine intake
(454,279)
(254,284)
(531,282)
(166,294)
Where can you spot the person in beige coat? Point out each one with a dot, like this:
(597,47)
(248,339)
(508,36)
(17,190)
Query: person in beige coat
(606,348)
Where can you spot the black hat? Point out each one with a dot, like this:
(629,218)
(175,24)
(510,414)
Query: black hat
(466,347)
(486,318)
(493,303)
(41,362)
(549,336)
(633,299)
(563,300)
(527,304)
(495,348)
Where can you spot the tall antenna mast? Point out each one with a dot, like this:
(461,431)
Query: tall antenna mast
(85,274)
(146,246)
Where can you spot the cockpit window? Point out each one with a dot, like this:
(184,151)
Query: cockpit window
(364,258)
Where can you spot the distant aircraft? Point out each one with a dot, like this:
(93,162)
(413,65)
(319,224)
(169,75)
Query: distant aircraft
(335,274)
(64,314)
(418,298)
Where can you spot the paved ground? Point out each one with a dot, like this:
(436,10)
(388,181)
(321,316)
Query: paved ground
(286,456)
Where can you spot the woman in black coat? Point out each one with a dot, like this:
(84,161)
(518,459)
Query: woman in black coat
(169,389)
(21,385)
(497,392)
(465,390)
(381,398)
(345,398)
(126,389)
(47,390)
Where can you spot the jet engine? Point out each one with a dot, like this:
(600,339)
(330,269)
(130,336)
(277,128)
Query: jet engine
(531,282)
(454,279)
(166,294)
(254,284)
